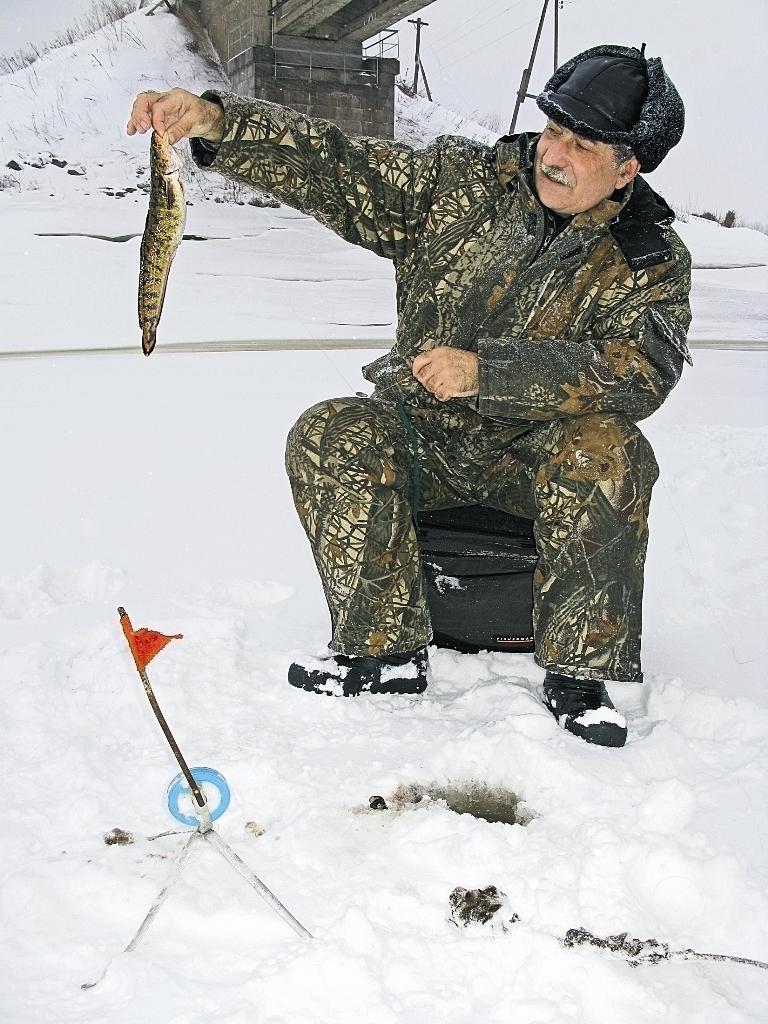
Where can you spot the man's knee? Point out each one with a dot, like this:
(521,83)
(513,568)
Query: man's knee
(306,435)
(343,432)
(604,449)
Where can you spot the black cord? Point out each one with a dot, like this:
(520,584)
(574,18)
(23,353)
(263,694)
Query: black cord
(413,444)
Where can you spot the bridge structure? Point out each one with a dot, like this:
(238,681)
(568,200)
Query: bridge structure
(310,55)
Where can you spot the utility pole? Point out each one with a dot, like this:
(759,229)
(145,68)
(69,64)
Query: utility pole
(522,92)
(426,83)
(417,61)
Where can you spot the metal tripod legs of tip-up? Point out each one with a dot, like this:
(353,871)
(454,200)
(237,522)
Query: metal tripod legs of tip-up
(232,858)
(144,644)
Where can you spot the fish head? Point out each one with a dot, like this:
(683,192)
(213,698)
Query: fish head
(163,156)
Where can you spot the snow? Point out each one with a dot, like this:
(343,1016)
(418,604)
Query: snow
(600,716)
(158,484)
(418,122)
(443,583)
(717,248)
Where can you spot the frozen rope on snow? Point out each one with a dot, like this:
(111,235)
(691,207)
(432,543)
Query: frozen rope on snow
(691,954)
(647,951)
(635,951)
(481,906)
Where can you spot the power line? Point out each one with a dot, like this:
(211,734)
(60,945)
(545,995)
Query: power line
(463,34)
(449,29)
(495,40)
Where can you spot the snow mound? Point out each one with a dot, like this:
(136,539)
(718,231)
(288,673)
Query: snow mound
(718,248)
(419,122)
(46,589)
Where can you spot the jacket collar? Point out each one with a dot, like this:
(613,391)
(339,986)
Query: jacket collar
(636,216)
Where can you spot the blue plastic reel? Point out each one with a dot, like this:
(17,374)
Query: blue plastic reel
(179,788)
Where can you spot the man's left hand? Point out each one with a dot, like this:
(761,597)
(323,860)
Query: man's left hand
(447,372)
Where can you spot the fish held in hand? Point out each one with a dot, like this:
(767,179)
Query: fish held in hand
(163,232)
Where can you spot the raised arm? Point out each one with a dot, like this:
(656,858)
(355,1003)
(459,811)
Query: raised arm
(373,193)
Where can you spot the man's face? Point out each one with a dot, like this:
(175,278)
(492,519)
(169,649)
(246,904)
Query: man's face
(572,174)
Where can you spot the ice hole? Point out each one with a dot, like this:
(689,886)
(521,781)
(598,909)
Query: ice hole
(491,803)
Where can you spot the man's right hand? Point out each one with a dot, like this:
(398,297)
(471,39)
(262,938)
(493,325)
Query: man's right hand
(178,113)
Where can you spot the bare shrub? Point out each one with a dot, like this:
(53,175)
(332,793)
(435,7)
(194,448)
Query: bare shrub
(105,12)
(682,212)
(101,14)
(228,190)
(492,122)
(9,183)
(263,200)
(12,62)
(725,220)
(235,192)
(65,38)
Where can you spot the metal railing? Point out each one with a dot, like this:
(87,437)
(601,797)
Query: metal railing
(385,45)
(351,67)
(254,29)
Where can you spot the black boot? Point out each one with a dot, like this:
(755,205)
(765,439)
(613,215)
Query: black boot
(583,707)
(343,676)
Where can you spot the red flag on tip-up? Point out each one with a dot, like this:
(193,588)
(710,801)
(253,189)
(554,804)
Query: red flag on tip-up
(149,643)
(144,643)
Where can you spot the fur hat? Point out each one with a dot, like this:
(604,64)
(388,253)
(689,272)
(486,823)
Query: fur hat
(614,94)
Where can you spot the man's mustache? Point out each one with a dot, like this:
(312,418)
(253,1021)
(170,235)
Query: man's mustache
(555,174)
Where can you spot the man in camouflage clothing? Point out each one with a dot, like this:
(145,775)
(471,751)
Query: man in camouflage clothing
(542,311)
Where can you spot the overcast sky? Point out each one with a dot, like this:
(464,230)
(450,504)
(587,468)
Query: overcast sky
(36,21)
(713,51)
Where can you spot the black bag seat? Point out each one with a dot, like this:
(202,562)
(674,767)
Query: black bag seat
(478,566)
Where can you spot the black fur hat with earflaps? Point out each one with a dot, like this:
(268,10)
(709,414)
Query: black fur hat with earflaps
(615,94)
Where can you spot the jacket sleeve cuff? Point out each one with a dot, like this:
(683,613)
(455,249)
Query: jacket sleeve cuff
(512,375)
(540,379)
(211,154)
(204,153)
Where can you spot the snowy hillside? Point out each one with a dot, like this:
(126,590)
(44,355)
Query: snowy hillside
(159,485)
(62,119)
(419,122)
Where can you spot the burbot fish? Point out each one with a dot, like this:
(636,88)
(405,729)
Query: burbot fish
(163,232)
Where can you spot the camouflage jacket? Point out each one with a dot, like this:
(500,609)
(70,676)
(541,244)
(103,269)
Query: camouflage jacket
(596,322)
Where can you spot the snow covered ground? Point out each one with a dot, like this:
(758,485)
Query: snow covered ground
(158,484)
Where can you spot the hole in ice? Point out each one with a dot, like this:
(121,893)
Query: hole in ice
(491,803)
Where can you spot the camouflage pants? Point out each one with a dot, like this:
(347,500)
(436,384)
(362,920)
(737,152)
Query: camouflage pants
(585,482)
